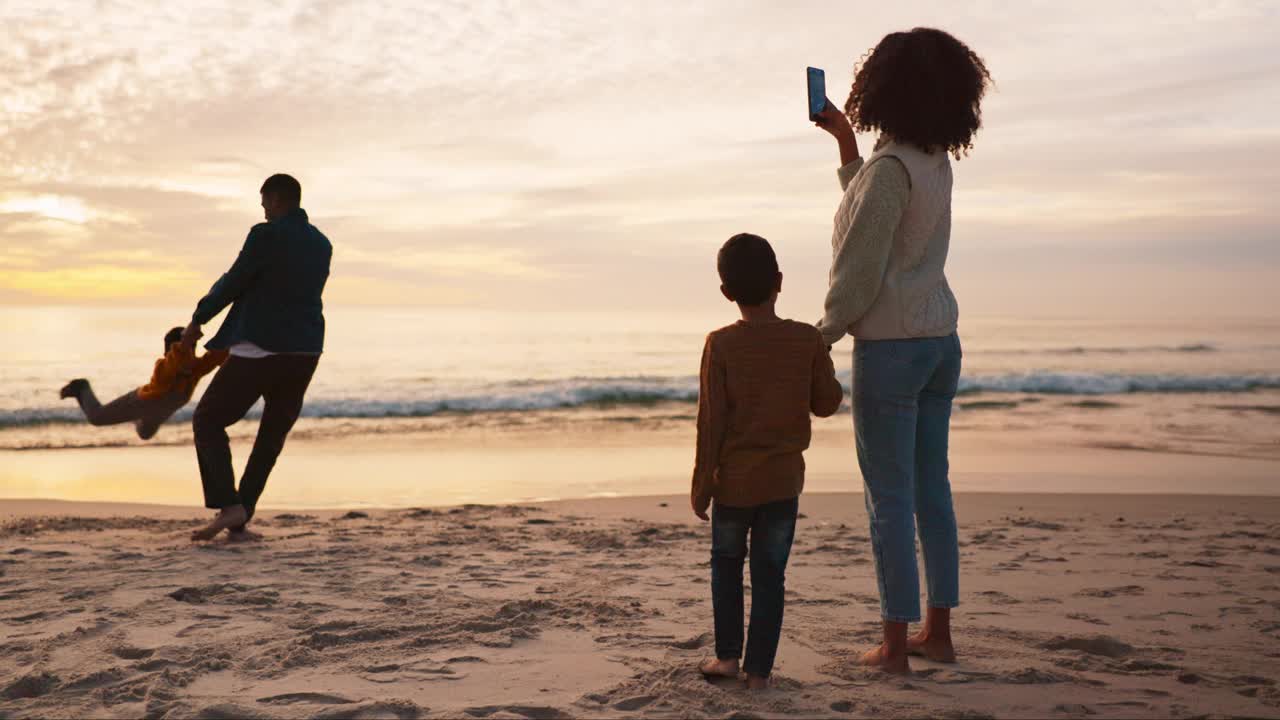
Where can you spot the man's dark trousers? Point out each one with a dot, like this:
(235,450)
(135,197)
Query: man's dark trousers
(281,381)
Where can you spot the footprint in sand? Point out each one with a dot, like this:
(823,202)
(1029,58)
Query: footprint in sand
(533,712)
(221,711)
(1127,704)
(128,652)
(1139,666)
(1103,645)
(998,598)
(1035,676)
(1038,558)
(1034,524)
(1158,616)
(634,703)
(1235,610)
(126,556)
(1126,590)
(1082,617)
(306,697)
(31,685)
(1205,564)
(53,553)
(96,679)
(24,619)
(985,537)
(399,709)
(695,642)
(1075,709)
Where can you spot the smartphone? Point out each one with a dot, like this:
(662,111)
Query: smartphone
(817,92)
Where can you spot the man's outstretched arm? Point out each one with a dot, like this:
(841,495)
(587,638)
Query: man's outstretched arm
(232,284)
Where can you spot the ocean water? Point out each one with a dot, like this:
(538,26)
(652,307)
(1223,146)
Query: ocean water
(1210,387)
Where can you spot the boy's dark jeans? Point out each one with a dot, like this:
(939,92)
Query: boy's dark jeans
(281,380)
(772,527)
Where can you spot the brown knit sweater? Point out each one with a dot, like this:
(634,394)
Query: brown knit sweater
(759,383)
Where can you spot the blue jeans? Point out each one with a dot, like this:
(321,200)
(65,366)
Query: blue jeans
(902,393)
(772,527)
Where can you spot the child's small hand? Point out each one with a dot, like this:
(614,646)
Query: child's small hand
(190,335)
(700,508)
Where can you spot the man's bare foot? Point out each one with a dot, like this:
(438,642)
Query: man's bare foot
(245,535)
(881,659)
(756,682)
(713,667)
(226,519)
(934,648)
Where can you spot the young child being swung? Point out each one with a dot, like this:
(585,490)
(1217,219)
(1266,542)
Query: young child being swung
(173,380)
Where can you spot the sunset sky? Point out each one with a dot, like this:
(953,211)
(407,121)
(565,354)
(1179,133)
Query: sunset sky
(570,154)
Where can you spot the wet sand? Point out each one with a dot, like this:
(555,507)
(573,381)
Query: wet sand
(556,457)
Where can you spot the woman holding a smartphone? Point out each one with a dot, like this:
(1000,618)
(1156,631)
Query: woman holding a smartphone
(921,91)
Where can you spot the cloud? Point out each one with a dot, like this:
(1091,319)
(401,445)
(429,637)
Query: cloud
(448,262)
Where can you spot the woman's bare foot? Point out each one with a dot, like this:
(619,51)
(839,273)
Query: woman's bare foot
(934,639)
(226,519)
(882,659)
(713,667)
(756,682)
(932,647)
(245,535)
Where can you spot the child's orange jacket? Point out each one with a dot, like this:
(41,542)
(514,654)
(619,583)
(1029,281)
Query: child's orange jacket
(180,369)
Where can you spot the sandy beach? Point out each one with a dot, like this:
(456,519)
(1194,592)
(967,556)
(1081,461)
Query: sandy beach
(1073,606)
(368,360)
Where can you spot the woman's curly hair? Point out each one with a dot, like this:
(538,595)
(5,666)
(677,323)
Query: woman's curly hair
(922,87)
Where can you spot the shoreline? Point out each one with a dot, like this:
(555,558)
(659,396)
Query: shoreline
(22,508)
(597,459)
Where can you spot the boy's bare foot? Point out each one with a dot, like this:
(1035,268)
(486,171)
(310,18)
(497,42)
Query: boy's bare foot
(881,659)
(245,535)
(72,389)
(713,667)
(755,682)
(226,519)
(934,648)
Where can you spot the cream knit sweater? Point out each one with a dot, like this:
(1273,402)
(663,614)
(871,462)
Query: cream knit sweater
(892,232)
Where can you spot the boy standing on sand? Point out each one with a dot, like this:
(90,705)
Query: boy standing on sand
(760,379)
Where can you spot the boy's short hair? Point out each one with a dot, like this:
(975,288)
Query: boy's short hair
(748,268)
(284,187)
(172,337)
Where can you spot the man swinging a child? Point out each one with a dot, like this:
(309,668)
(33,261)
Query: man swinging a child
(267,348)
